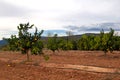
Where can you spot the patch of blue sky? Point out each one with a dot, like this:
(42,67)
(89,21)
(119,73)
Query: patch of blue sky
(52,32)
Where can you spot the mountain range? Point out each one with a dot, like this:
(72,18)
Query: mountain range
(3,42)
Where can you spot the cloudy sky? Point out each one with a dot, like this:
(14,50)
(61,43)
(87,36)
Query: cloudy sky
(56,14)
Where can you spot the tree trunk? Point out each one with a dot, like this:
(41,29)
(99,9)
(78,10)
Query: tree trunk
(27,53)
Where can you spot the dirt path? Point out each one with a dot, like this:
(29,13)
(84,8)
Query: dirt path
(82,67)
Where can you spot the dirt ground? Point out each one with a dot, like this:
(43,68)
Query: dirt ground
(10,70)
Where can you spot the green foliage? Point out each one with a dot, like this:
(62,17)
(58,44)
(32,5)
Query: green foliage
(26,41)
(37,47)
(83,43)
(12,43)
(107,41)
(53,43)
(66,44)
(116,45)
(96,43)
(74,44)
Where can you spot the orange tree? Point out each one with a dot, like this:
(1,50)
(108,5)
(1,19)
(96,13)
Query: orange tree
(83,43)
(107,41)
(52,43)
(26,41)
(11,44)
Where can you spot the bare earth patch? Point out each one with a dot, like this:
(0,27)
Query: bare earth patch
(63,65)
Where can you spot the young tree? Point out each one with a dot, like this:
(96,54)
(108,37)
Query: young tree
(91,42)
(74,44)
(53,43)
(12,43)
(83,43)
(26,42)
(116,43)
(66,45)
(107,41)
(97,43)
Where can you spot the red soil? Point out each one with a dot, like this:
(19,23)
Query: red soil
(21,71)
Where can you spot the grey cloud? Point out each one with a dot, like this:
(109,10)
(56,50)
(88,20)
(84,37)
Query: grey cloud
(8,32)
(88,18)
(111,13)
(70,27)
(8,10)
(95,27)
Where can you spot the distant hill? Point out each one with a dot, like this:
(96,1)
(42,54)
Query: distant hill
(3,42)
(73,37)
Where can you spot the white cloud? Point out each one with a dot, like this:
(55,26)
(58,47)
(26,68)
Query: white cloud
(55,14)
(9,10)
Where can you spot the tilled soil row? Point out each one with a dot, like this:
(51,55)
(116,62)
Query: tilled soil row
(68,66)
